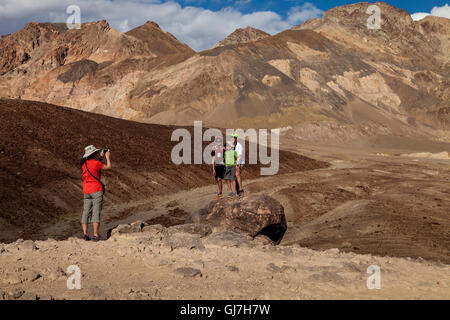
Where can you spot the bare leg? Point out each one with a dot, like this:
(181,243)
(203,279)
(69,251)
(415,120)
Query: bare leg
(238,177)
(84,226)
(96,227)
(229,186)
(219,186)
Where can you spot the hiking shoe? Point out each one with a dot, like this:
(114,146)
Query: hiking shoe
(219,196)
(96,238)
(241,192)
(86,237)
(232,195)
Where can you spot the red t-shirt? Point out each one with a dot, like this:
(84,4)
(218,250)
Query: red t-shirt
(90,185)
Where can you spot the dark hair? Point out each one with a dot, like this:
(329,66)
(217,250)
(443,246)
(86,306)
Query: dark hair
(92,156)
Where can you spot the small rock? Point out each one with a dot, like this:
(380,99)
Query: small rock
(226,239)
(352,267)
(27,245)
(184,240)
(272,267)
(346,245)
(30,276)
(15,294)
(172,204)
(327,276)
(155,230)
(95,291)
(135,227)
(200,229)
(54,273)
(233,268)
(188,272)
(263,240)
(333,251)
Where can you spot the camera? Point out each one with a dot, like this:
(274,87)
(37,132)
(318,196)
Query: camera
(105,151)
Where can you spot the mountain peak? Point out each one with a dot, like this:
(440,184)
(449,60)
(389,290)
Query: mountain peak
(159,42)
(355,17)
(244,35)
(152,24)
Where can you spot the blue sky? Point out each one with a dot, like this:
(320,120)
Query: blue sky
(283,6)
(199,23)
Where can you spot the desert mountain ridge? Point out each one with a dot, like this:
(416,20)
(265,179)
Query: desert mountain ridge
(331,69)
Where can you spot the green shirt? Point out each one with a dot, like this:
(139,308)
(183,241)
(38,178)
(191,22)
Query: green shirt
(230,158)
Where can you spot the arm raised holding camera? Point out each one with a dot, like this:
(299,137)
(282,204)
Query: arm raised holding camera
(107,154)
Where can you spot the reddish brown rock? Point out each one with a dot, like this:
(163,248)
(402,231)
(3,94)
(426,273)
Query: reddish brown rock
(253,215)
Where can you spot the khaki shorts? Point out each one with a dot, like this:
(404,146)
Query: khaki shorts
(230,173)
(92,207)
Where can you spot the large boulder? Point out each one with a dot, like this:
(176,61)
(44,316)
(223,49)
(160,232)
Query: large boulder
(254,215)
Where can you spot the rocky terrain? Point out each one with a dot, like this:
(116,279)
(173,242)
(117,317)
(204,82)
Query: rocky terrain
(153,262)
(332,70)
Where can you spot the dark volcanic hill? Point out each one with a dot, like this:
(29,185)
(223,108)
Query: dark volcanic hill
(395,79)
(40,177)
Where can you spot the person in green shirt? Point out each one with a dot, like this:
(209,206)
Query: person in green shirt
(230,169)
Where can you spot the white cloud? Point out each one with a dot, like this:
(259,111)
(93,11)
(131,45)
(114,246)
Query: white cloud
(443,11)
(419,15)
(198,27)
(305,12)
(124,25)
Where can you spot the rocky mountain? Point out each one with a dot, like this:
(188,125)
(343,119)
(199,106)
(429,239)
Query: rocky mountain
(394,80)
(244,35)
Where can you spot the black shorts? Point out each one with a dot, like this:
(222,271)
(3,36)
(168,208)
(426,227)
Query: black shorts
(220,172)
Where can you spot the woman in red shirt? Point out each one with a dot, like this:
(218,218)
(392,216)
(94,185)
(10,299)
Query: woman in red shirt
(93,188)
